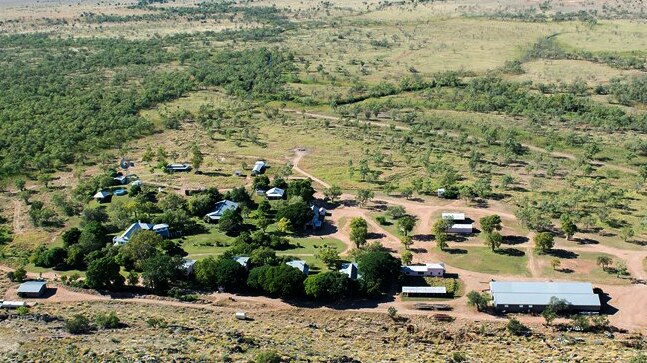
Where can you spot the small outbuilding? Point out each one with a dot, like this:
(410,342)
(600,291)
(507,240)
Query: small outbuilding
(461,228)
(7,304)
(440,192)
(259,168)
(103,196)
(33,289)
(121,179)
(275,193)
(299,265)
(454,216)
(426,270)
(173,168)
(187,266)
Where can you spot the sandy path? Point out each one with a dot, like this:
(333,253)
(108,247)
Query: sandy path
(17,225)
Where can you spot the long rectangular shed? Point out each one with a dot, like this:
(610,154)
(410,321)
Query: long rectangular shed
(534,296)
(424,290)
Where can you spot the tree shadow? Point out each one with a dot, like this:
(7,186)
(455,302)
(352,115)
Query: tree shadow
(565,270)
(560,253)
(423,237)
(419,250)
(513,252)
(514,240)
(373,235)
(585,241)
(455,251)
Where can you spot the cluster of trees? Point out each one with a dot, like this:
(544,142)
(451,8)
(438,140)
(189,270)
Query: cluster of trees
(73,109)
(269,274)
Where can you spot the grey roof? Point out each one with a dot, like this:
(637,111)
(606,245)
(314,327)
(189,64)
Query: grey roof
(136,227)
(540,293)
(275,192)
(221,207)
(454,216)
(424,290)
(350,269)
(102,194)
(243,260)
(259,166)
(188,263)
(300,265)
(31,286)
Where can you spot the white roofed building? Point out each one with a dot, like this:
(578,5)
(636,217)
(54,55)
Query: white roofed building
(426,270)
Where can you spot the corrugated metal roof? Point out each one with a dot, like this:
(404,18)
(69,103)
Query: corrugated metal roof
(300,265)
(540,293)
(424,290)
(31,286)
(454,216)
(541,287)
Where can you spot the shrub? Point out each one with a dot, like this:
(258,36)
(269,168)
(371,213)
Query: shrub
(268,357)
(78,324)
(381,220)
(515,327)
(18,275)
(107,321)
(156,322)
(22,310)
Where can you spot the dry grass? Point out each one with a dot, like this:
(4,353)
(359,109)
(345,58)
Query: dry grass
(301,335)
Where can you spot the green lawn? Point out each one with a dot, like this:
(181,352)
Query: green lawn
(482,259)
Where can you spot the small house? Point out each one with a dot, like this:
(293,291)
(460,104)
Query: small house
(350,269)
(259,168)
(424,291)
(242,260)
(219,209)
(275,193)
(103,197)
(426,270)
(318,217)
(454,216)
(187,266)
(161,229)
(461,228)
(33,289)
(299,265)
(173,168)
(121,179)
(136,183)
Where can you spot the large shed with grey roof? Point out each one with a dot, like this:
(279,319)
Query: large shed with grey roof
(534,296)
(32,289)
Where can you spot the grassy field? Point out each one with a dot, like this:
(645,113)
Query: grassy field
(508,261)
